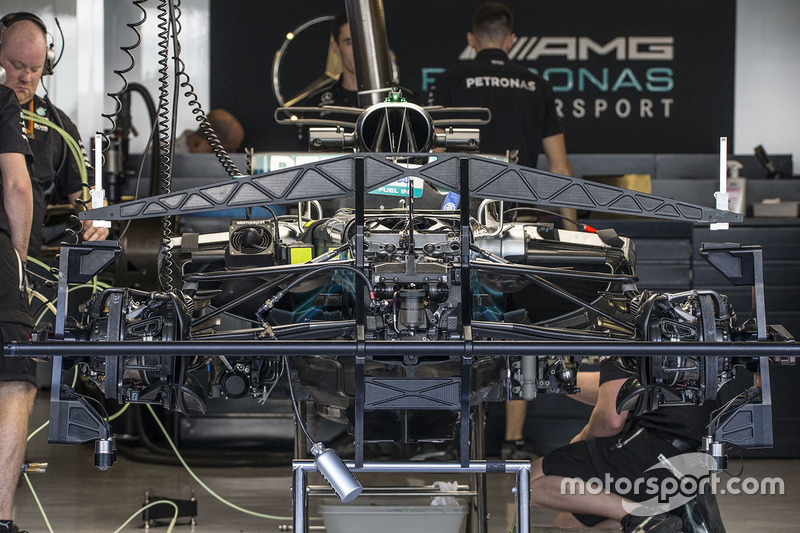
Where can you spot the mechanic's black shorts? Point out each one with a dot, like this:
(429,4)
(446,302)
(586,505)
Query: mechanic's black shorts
(594,458)
(15,315)
(16,368)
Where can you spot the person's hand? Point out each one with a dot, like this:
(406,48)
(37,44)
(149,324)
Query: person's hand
(93,233)
(579,437)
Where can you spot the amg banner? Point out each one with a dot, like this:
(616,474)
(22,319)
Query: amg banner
(629,76)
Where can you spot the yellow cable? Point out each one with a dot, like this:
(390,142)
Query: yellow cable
(47,422)
(52,308)
(182,461)
(120,528)
(95,285)
(71,143)
(149,505)
(42,298)
(38,503)
(37,430)
(119,413)
(201,483)
(42,264)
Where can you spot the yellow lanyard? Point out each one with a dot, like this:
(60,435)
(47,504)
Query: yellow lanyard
(29,125)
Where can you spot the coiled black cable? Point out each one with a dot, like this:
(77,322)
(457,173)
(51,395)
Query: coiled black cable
(128,51)
(116,96)
(194,103)
(205,126)
(164,139)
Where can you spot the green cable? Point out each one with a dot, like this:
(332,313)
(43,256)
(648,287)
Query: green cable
(182,461)
(96,285)
(47,422)
(73,146)
(38,503)
(119,413)
(37,430)
(201,483)
(76,154)
(48,305)
(120,528)
(71,143)
(42,264)
(149,505)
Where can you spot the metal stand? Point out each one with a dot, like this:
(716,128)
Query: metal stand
(478,517)
(72,419)
(522,469)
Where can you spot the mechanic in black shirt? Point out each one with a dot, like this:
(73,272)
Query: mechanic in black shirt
(620,446)
(24,59)
(17,375)
(23,51)
(524,121)
(341,91)
(524,117)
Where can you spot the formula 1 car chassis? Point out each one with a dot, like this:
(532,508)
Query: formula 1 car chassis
(406,329)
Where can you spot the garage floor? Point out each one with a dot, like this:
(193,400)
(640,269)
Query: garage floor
(79,498)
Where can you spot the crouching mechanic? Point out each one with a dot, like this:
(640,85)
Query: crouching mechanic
(622,446)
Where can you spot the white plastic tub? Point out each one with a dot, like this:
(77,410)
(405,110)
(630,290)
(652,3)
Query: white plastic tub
(393,518)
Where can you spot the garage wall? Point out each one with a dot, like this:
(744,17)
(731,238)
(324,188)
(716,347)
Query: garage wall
(85,75)
(766,107)
(767,110)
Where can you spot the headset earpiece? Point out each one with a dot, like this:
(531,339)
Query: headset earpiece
(50,55)
(49,61)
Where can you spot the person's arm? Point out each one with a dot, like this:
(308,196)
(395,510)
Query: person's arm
(604,421)
(17,200)
(589,384)
(555,149)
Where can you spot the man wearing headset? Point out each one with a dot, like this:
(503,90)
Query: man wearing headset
(24,58)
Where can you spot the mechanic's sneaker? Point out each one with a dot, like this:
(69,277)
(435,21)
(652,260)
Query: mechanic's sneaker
(517,450)
(7,526)
(661,523)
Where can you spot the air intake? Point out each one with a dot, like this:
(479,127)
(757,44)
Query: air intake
(250,243)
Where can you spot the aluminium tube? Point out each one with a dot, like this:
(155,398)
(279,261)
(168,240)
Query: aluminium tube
(399,349)
(370,50)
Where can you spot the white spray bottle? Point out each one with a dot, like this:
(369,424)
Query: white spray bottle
(737,188)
